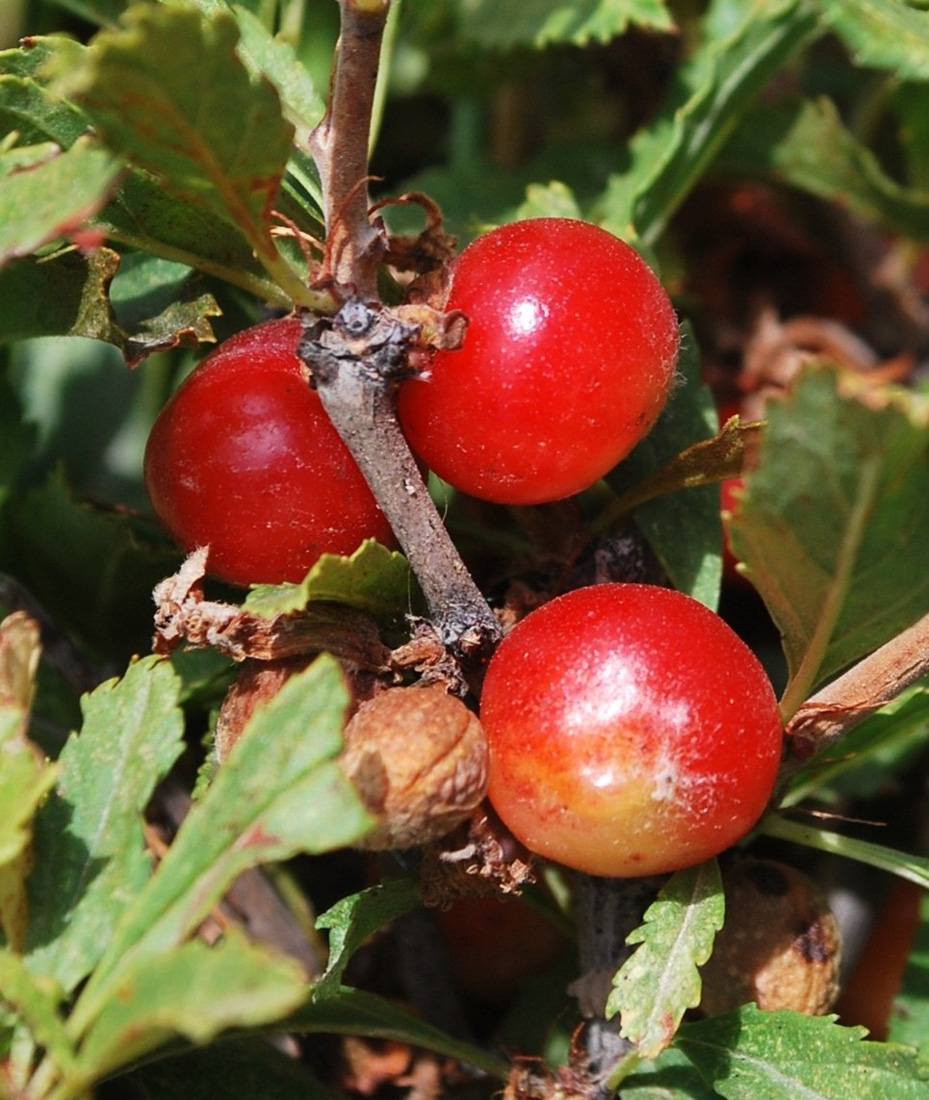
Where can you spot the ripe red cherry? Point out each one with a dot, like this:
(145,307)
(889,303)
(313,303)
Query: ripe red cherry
(631,732)
(566,364)
(244,459)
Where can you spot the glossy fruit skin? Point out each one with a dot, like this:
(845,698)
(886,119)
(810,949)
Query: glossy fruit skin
(567,362)
(631,731)
(243,458)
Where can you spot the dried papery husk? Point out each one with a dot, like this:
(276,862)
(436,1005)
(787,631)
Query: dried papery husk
(780,946)
(418,758)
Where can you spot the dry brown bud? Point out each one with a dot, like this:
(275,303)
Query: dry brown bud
(780,946)
(256,683)
(418,758)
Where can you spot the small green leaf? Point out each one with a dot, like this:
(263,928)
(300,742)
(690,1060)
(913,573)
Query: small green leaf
(374,579)
(194,991)
(353,919)
(913,868)
(754,1055)
(909,1018)
(278,793)
(670,1077)
(35,1002)
(553,200)
(882,34)
(831,519)
(30,111)
(806,145)
(50,200)
(683,528)
(90,854)
(502,24)
(358,1012)
(659,982)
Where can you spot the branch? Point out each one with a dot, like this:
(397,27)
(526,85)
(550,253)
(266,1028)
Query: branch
(858,693)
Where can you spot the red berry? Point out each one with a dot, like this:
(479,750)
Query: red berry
(631,731)
(566,364)
(244,459)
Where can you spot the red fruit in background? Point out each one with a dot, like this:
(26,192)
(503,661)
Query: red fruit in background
(244,459)
(631,731)
(566,364)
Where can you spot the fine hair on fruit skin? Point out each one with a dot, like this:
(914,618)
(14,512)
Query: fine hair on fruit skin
(631,731)
(567,361)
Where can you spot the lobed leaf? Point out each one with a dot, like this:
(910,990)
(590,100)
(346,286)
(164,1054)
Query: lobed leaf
(354,919)
(909,1019)
(659,981)
(830,519)
(882,34)
(806,145)
(278,793)
(194,991)
(755,1055)
(90,854)
(502,24)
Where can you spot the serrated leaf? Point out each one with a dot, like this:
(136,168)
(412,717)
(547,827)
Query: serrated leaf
(278,793)
(683,528)
(832,518)
(358,1012)
(194,991)
(89,849)
(373,579)
(882,34)
(35,1003)
(909,1018)
(660,981)
(754,1055)
(709,95)
(52,199)
(502,24)
(353,919)
(806,145)
(910,867)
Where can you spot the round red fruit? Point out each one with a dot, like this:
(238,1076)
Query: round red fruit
(631,731)
(244,459)
(567,362)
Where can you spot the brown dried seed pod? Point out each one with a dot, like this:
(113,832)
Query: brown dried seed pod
(418,758)
(780,946)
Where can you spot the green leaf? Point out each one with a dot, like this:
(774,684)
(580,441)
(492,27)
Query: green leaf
(502,24)
(30,111)
(709,95)
(194,991)
(90,854)
(278,793)
(670,1077)
(754,1055)
(806,145)
(909,1019)
(373,579)
(552,200)
(831,519)
(104,12)
(866,760)
(353,919)
(659,981)
(683,528)
(35,1002)
(882,34)
(49,200)
(358,1012)
(910,867)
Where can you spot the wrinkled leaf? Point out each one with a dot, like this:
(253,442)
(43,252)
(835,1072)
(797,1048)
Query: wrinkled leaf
(882,34)
(659,981)
(353,919)
(90,854)
(54,198)
(754,1055)
(373,579)
(831,521)
(502,24)
(194,991)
